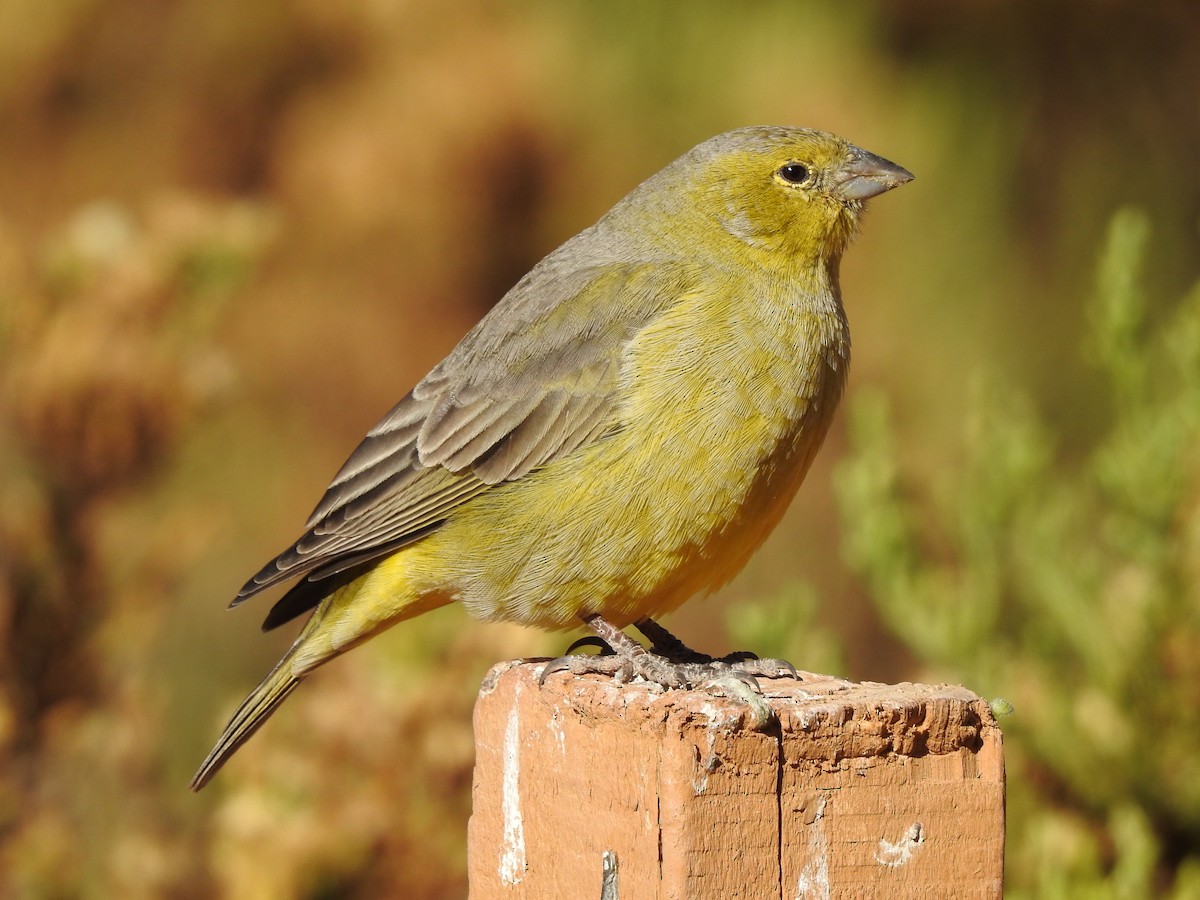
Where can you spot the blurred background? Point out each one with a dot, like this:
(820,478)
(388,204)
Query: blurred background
(232,235)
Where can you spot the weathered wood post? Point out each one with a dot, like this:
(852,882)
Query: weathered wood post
(589,789)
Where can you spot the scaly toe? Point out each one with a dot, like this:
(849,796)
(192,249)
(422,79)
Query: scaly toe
(582,664)
(739,686)
(764,668)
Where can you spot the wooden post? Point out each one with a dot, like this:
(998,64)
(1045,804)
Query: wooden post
(588,789)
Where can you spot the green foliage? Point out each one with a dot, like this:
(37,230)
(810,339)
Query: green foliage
(1069,586)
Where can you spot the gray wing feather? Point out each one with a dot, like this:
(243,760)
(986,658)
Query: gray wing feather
(533,381)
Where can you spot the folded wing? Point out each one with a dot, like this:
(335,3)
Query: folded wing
(535,380)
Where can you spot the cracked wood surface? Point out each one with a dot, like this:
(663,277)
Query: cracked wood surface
(587,788)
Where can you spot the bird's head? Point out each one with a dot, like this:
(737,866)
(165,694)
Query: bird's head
(793,192)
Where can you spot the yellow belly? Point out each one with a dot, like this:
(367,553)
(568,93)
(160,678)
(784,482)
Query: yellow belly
(717,436)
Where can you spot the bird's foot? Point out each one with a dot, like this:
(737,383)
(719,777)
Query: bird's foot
(665,644)
(646,666)
(670,664)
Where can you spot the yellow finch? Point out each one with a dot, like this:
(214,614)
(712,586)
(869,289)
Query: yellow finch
(619,433)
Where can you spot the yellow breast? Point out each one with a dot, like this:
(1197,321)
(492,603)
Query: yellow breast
(724,402)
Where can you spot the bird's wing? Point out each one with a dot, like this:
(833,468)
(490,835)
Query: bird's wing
(535,380)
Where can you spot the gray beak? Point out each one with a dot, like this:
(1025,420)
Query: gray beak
(866,175)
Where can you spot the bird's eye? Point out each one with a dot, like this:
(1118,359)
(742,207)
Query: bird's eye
(794,173)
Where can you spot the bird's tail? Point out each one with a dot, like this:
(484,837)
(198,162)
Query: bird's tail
(344,619)
(255,710)
(265,698)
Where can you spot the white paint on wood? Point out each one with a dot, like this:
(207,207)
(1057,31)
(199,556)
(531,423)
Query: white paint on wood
(512,844)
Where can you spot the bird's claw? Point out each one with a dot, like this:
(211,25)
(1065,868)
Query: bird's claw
(740,686)
(724,678)
(585,664)
(671,664)
(589,640)
(764,668)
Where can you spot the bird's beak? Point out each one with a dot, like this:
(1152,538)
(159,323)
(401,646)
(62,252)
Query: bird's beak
(865,175)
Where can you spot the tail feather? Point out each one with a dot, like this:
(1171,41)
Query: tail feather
(346,617)
(255,710)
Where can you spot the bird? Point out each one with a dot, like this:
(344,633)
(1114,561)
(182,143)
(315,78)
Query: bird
(618,434)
